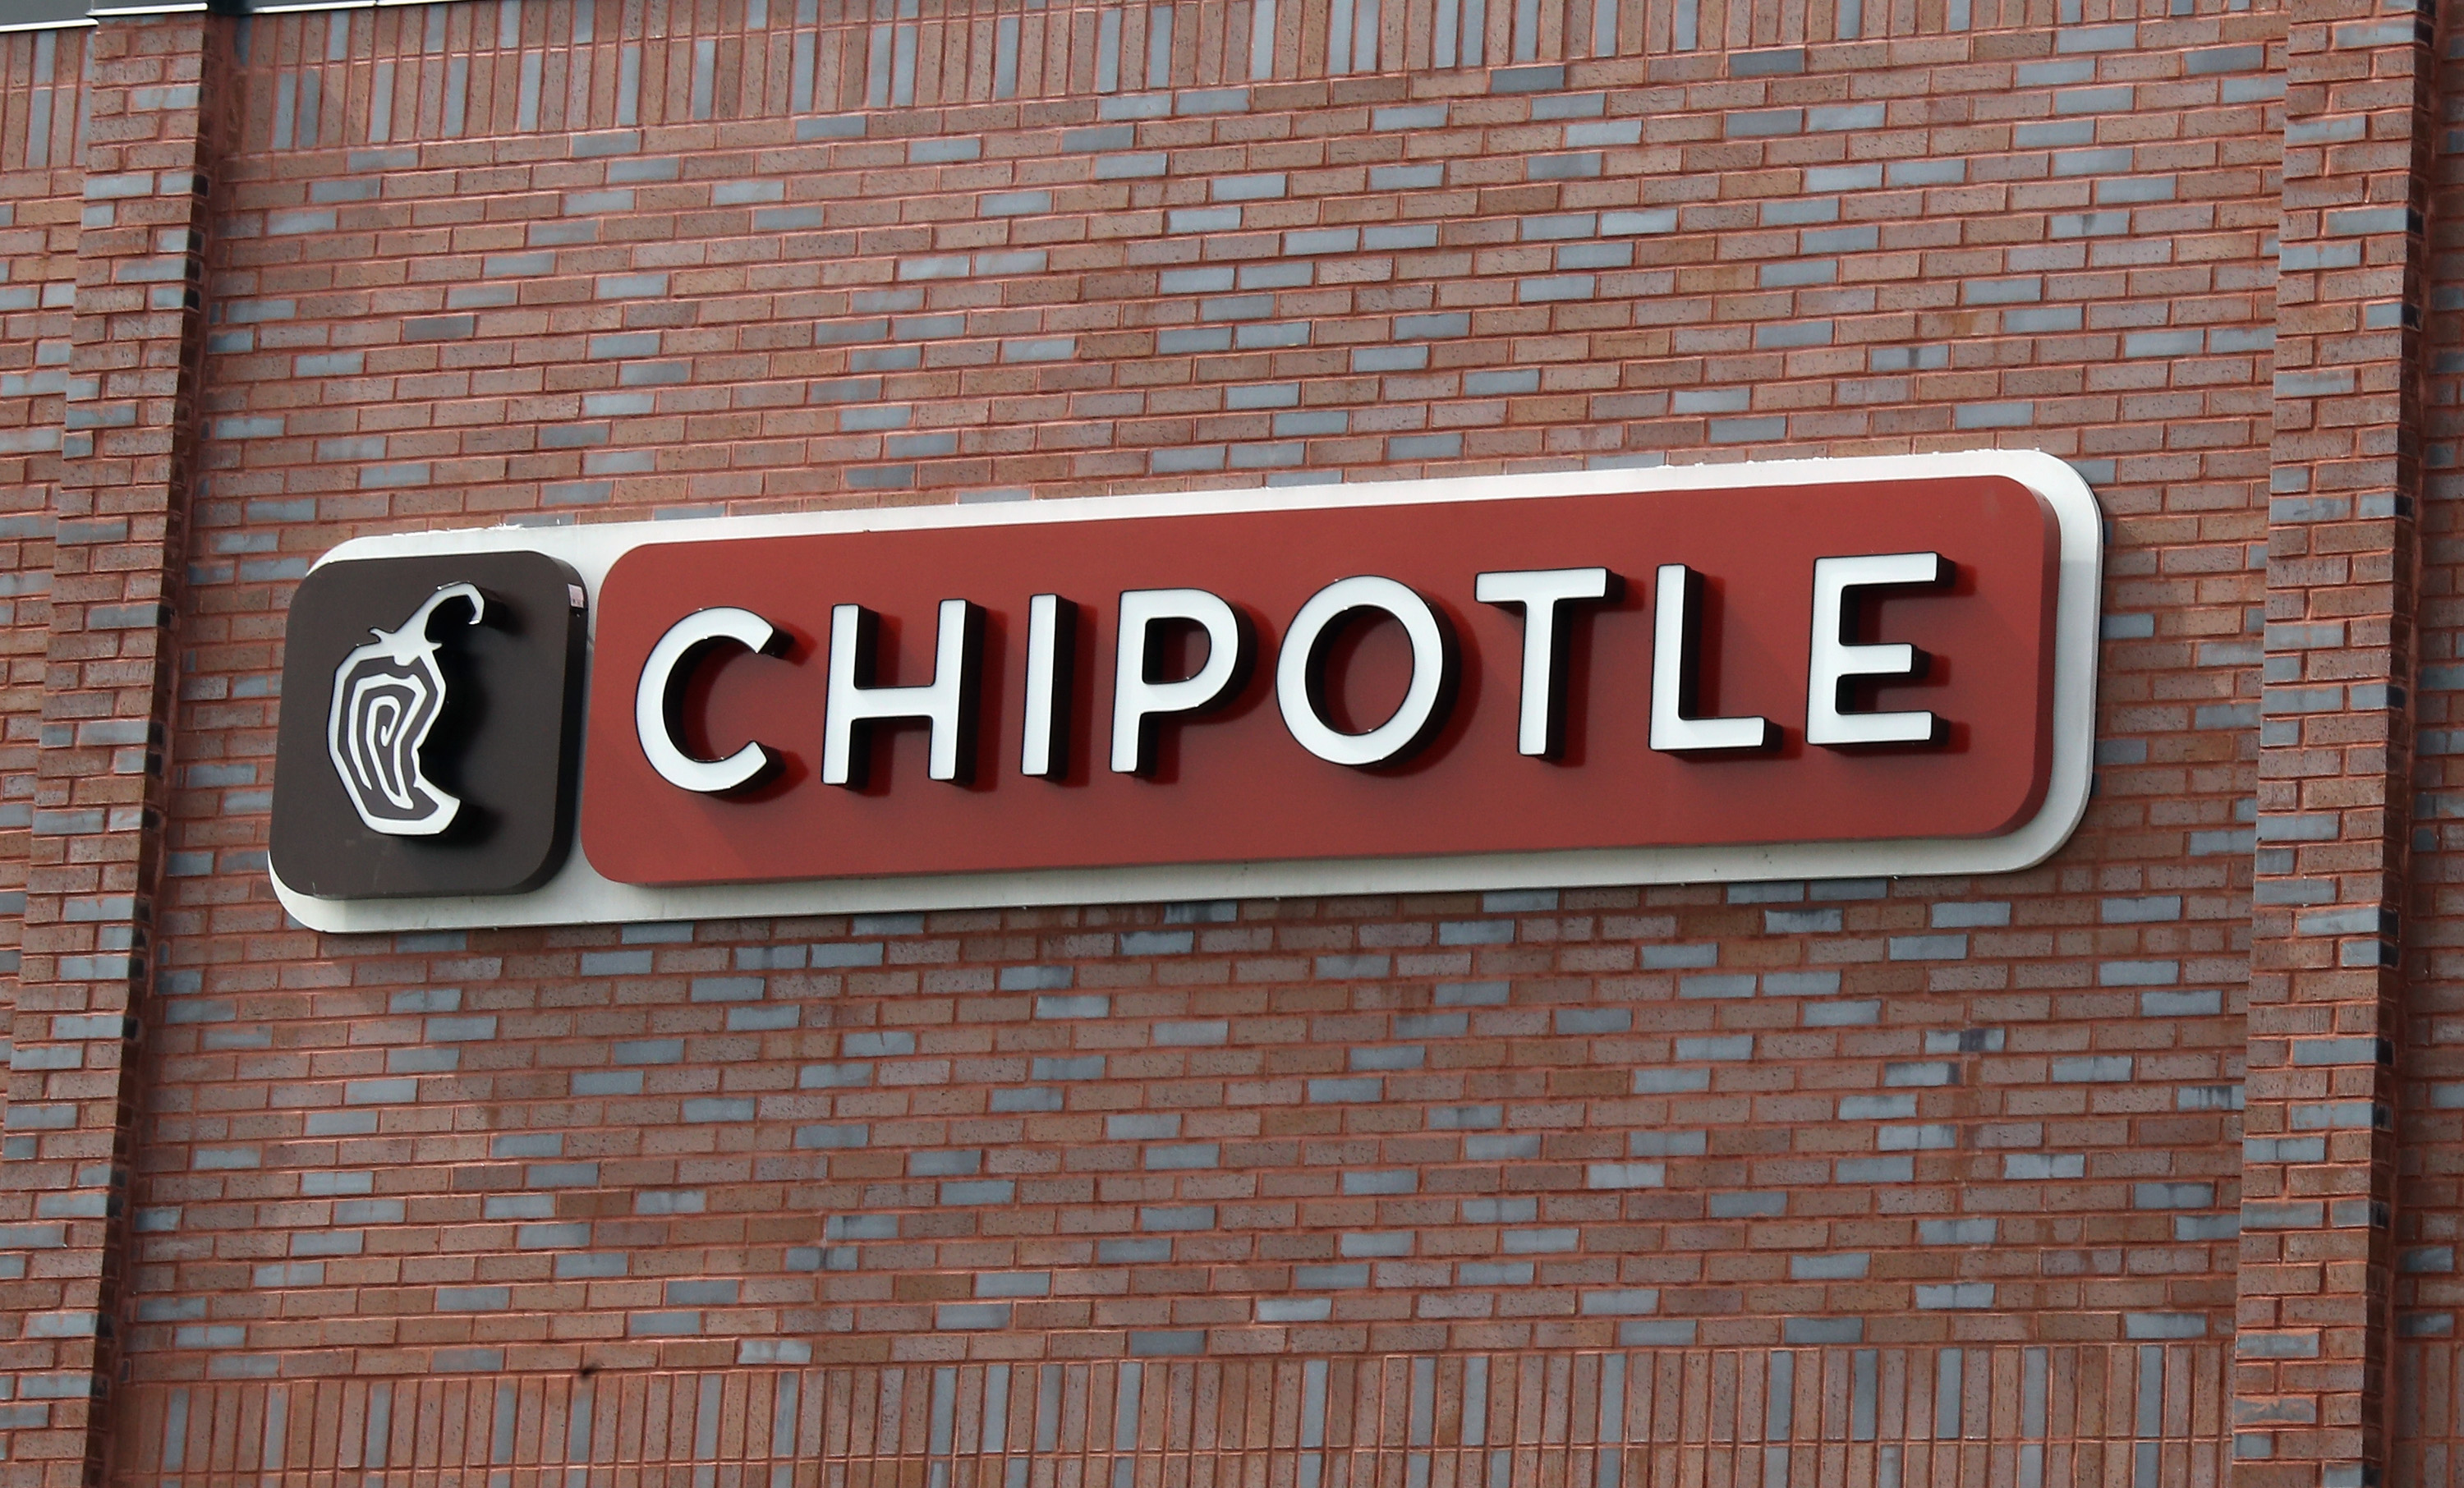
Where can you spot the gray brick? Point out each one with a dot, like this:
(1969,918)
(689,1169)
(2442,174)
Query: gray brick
(2163,343)
(831,1077)
(1176,1217)
(473,1299)
(1402,235)
(1201,457)
(1527,79)
(1638,224)
(1840,116)
(1202,219)
(1605,132)
(1674,957)
(970,1192)
(2156,1325)
(1928,948)
(833,1136)
(1739,432)
(1778,61)
(2002,292)
(1955,1295)
(1954,916)
(1667,1144)
(1800,984)
(1733,984)
(1384,1181)
(629,286)
(1619,1303)
(1796,274)
(1556,287)
(2053,134)
(1036,978)
(1625,1175)
(1388,1058)
(1799,211)
(1732,1047)
(1994,415)
(1711,400)
(1546,228)
(1322,240)
(1755,124)
(845,954)
(1313,421)
(2092,100)
(1327,1092)
(1828,1266)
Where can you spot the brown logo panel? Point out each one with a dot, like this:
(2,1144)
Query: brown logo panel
(430,715)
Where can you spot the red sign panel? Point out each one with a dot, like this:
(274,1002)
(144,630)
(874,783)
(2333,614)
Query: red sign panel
(1855,661)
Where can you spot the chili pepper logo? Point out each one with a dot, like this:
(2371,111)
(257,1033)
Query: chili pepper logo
(387,695)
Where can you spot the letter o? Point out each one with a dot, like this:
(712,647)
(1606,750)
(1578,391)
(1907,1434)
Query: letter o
(659,699)
(1298,672)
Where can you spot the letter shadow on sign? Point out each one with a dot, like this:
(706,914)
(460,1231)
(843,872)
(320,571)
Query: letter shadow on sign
(731,672)
(1705,663)
(1176,650)
(1083,708)
(1577,642)
(1868,624)
(1363,667)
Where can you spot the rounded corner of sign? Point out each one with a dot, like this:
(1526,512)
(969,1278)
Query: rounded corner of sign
(350,550)
(2056,481)
(317,914)
(2045,833)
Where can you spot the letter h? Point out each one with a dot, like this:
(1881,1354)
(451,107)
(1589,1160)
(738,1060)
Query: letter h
(947,703)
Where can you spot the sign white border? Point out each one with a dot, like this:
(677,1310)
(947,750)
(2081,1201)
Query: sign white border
(579,894)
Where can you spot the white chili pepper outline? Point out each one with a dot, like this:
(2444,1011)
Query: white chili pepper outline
(408,647)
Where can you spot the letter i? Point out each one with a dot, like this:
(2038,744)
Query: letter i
(1051,656)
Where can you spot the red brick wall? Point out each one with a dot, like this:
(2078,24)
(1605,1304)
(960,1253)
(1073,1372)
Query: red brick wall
(1914,1118)
(2430,1209)
(39,183)
(2043,1058)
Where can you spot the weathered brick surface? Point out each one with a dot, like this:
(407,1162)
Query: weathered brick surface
(2429,1205)
(1910,1116)
(117,500)
(2311,1396)
(42,181)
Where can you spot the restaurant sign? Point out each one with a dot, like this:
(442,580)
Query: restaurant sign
(1848,668)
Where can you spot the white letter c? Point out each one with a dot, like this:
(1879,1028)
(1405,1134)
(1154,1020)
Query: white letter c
(659,700)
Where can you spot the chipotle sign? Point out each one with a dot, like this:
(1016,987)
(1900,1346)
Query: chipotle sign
(1815,668)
